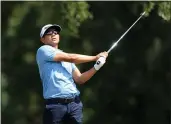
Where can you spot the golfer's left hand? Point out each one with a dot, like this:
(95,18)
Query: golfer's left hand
(100,62)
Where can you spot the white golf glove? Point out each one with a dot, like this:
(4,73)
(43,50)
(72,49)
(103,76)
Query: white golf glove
(99,63)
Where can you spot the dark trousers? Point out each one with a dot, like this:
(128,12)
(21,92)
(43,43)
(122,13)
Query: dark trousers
(63,113)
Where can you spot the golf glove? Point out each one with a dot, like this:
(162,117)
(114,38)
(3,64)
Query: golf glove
(99,63)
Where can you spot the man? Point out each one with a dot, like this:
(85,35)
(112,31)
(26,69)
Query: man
(58,74)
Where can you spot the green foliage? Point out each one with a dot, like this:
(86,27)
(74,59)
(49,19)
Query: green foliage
(75,13)
(164,9)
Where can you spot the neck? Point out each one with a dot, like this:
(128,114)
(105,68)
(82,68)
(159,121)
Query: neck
(55,46)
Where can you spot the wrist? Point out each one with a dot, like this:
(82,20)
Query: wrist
(96,67)
(99,63)
(95,58)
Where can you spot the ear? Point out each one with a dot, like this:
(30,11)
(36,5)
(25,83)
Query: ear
(42,40)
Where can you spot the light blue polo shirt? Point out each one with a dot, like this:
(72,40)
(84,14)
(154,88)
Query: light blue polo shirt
(56,77)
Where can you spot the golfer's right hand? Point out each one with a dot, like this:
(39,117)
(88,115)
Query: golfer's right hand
(104,54)
(99,63)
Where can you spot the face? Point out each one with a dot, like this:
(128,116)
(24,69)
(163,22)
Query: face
(51,37)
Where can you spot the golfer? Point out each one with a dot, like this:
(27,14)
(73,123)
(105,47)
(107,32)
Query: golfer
(59,74)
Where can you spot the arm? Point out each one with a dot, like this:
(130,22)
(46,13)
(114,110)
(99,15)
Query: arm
(82,78)
(74,58)
(48,53)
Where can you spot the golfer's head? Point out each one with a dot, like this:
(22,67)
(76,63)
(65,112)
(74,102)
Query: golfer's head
(49,34)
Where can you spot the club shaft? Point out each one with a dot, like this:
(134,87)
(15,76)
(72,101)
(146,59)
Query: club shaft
(125,33)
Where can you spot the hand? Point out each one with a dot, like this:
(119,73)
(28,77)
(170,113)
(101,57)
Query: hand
(99,63)
(104,54)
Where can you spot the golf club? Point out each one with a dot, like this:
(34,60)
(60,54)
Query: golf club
(115,44)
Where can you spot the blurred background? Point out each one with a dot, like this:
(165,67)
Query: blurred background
(134,86)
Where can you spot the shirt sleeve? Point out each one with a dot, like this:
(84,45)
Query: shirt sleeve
(73,66)
(46,53)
